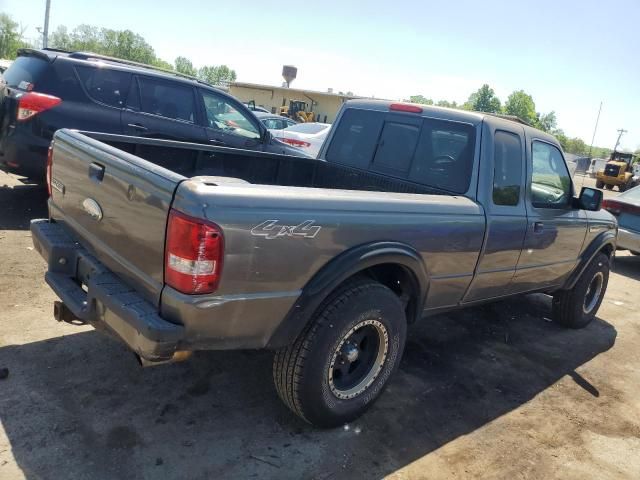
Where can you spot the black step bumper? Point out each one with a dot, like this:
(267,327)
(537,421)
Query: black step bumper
(105,301)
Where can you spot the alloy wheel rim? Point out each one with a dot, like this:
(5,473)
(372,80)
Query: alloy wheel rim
(358,359)
(593,293)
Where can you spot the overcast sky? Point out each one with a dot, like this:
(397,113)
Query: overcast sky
(569,55)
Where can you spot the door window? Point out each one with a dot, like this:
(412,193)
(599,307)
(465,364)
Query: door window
(167,99)
(222,115)
(104,85)
(550,179)
(507,169)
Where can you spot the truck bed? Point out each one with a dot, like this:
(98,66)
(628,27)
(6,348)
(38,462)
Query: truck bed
(193,160)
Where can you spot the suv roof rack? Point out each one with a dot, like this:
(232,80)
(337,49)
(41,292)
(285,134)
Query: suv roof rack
(107,58)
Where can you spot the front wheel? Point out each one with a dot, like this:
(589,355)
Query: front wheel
(341,362)
(576,308)
(608,186)
(599,184)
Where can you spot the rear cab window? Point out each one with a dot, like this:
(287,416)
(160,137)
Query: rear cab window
(434,153)
(26,73)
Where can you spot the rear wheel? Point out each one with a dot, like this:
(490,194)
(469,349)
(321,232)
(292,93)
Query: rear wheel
(343,359)
(576,308)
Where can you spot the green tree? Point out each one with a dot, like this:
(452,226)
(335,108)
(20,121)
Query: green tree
(447,104)
(10,37)
(420,99)
(546,122)
(521,105)
(483,100)
(184,65)
(576,146)
(217,74)
(123,44)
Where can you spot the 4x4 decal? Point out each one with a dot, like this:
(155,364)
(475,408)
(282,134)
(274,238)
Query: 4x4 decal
(271,229)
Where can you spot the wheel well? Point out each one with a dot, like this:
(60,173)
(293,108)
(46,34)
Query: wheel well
(401,281)
(607,250)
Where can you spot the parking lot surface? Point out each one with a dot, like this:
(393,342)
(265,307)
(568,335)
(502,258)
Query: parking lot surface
(496,392)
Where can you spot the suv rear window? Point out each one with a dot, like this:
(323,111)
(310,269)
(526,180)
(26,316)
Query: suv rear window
(25,69)
(105,85)
(434,153)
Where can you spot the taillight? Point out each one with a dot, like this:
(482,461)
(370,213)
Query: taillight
(32,103)
(294,142)
(193,254)
(616,208)
(49,167)
(404,107)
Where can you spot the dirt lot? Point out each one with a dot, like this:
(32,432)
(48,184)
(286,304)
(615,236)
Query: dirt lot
(493,392)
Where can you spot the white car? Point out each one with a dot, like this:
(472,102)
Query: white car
(308,137)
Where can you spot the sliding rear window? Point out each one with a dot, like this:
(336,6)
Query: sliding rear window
(434,153)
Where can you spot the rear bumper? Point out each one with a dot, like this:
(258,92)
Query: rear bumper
(628,240)
(106,302)
(24,152)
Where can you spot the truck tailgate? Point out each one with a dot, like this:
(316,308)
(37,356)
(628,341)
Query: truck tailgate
(116,204)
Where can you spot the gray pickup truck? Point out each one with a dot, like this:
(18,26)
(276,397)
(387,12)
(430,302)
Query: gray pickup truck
(408,211)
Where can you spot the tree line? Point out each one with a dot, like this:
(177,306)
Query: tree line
(519,104)
(123,44)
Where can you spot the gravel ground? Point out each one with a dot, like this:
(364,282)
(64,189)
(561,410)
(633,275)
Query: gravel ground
(494,392)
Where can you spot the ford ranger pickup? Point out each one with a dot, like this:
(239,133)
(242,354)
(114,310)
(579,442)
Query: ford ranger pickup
(408,211)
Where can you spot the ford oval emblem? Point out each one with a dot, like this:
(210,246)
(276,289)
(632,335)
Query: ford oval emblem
(92,208)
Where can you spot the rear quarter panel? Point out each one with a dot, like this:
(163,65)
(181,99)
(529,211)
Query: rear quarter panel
(447,232)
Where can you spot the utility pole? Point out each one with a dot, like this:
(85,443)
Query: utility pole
(45,33)
(595,129)
(620,131)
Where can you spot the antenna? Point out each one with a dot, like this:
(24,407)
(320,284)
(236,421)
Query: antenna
(593,138)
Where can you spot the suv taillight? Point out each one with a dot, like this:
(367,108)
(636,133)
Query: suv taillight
(193,254)
(32,103)
(49,167)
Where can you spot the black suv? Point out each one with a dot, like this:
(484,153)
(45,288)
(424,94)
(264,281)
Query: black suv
(44,90)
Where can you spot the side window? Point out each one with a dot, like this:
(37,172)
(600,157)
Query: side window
(444,156)
(222,115)
(167,99)
(289,123)
(507,169)
(396,147)
(104,85)
(550,179)
(133,98)
(356,137)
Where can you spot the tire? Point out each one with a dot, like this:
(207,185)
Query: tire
(622,187)
(576,308)
(608,186)
(311,376)
(599,184)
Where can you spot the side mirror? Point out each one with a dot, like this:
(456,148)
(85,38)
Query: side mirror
(590,199)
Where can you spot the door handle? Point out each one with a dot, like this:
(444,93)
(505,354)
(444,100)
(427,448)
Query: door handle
(96,172)
(218,143)
(538,227)
(137,126)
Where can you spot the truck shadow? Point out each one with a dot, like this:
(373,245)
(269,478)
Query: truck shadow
(629,266)
(20,203)
(80,401)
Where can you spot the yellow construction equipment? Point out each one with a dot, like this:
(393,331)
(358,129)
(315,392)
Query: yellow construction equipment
(297,110)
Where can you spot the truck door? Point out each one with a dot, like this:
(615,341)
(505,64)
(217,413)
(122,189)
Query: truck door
(502,167)
(555,230)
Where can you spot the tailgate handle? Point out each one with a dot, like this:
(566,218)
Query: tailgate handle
(96,172)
